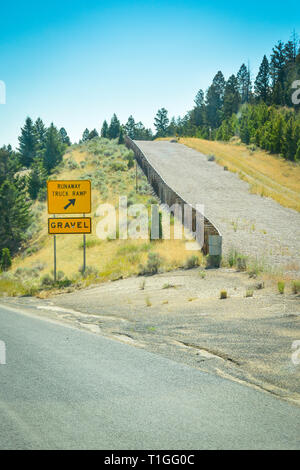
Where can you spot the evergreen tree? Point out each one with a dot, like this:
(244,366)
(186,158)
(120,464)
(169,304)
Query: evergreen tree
(121,136)
(231,97)
(244,84)
(199,99)
(9,164)
(5,259)
(14,214)
(104,130)
(64,136)
(28,144)
(114,128)
(289,145)
(278,66)
(161,122)
(54,149)
(262,82)
(141,133)
(41,133)
(130,127)
(93,134)
(36,179)
(214,100)
(85,135)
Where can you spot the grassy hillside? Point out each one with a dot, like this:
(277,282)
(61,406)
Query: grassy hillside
(106,164)
(267,174)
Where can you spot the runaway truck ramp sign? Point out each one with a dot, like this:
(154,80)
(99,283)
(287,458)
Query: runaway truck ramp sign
(70,225)
(69,197)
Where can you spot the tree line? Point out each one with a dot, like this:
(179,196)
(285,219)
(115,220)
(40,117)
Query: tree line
(259,111)
(40,150)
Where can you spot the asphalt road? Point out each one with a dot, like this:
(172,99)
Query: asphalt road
(63,388)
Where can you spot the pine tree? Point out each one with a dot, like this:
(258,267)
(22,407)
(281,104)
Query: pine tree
(121,136)
(161,122)
(104,130)
(214,100)
(130,127)
(14,214)
(114,128)
(41,133)
(290,141)
(36,179)
(199,99)
(85,135)
(54,149)
(244,83)
(262,82)
(5,259)
(64,136)
(28,143)
(277,70)
(141,133)
(93,134)
(231,97)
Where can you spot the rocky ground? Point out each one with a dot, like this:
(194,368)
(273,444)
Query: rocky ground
(180,315)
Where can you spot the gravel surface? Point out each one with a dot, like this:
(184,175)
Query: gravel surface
(180,315)
(254,225)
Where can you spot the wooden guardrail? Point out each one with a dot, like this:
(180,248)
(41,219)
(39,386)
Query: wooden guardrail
(212,243)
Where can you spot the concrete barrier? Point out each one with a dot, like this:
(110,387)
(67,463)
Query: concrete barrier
(168,196)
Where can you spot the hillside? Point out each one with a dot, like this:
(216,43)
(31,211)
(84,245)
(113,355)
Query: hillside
(268,175)
(111,168)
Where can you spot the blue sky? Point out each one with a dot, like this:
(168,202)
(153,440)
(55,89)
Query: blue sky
(75,63)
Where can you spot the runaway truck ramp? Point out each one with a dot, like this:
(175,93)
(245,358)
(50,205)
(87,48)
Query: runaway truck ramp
(255,226)
(212,243)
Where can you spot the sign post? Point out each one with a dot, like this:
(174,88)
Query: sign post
(84,251)
(69,197)
(54,268)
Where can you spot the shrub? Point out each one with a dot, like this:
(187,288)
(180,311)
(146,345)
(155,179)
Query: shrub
(42,194)
(89,271)
(191,262)
(153,263)
(47,281)
(232,257)
(71,164)
(296,287)
(241,263)
(249,293)
(5,259)
(281,286)
(130,162)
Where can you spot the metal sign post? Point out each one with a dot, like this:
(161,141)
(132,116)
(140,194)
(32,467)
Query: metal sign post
(69,197)
(54,247)
(84,251)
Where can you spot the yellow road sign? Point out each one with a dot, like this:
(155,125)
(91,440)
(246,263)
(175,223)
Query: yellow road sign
(69,197)
(69,225)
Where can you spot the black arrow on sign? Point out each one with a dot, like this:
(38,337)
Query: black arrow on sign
(71,203)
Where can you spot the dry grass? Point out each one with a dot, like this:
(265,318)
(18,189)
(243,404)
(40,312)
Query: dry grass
(268,175)
(110,259)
